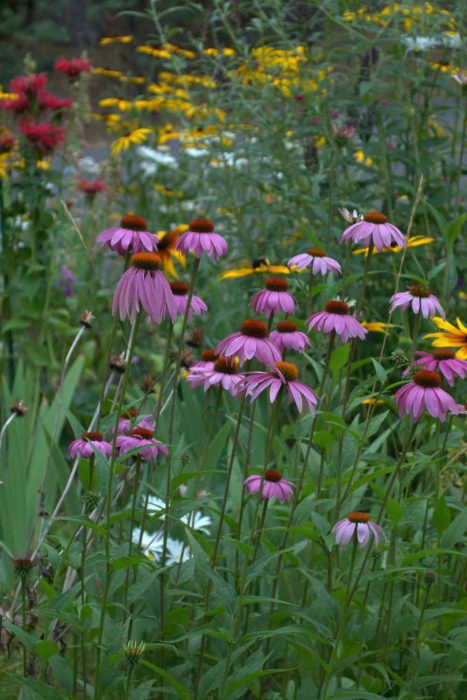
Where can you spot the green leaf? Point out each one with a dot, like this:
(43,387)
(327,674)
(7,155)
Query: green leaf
(453,229)
(441,516)
(45,649)
(455,532)
(181,691)
(395,511)
(380,371)
(339,357)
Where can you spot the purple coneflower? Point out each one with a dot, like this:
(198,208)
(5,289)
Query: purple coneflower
(251,341)
(208,358)
(274,299)
(180,292)
(271,484)
(130,420)
(66,281)
(142,440)
(88,444)
(335,317)
(357,524)
(143,284)
(376,229)
(286,336)
(443,361)
(201,238)
(317,259)
(282,374)
(423,393)
(223,373)
(130,237)
(421,300)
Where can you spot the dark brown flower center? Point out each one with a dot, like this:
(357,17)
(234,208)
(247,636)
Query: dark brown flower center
(209,355)
(92,436)
(168,240)
(146,261)
(272,475)
(427,379)
(358,517)
(134,223)
(131,413)
(444,354)
(259,262)
(317,252)
(276,284)
(375,217)
(142,433)
(288,370)
(225,365)
(254,328)
(201,226)
(419,290)
(337,307)
(286,327)
(180,289)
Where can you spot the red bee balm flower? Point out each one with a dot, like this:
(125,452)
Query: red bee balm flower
(72,67)
(89,188)
(43,136)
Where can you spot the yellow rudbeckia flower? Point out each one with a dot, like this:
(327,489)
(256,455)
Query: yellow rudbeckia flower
(377,327)
(258,266)
(124,142)
(124,39)
(449,336)
(412,242)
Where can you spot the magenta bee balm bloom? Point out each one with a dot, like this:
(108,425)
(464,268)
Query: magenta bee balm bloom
(274,299)
(144,441)
(443,361)
(420,299)
(180,292)
(251,341)
(283,374)
(130,237)
(143,284)
(374,229)
(271,484)
(423,393)
(288,337)
(357,524)
(88,444)
(316,259)
(335,317)
(223,373)
(201,238)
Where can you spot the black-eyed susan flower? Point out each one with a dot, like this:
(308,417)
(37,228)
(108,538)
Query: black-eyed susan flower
(123,143)
(123,39)
(412,242)
(261,266)
(449,336)
(377,326)
(168,252)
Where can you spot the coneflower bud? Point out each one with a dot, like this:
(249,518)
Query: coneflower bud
(430,578)
(91,500)
(86,318)
(19,408)
(186,359)
(133,650)
(399,357)
(117,363)
(147,383)
(195,338)
(23,566)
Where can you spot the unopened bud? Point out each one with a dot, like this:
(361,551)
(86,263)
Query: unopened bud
(399,357)
(23,566)
(430,578)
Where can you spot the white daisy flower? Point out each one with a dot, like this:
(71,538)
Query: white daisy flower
(197,521)
(151,543)
(177,552)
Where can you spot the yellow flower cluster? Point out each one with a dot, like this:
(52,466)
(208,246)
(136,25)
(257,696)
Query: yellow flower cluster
(166,51)
(284,69)
(125,39)
(118,75)
(410,15)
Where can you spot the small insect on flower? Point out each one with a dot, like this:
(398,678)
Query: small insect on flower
(274,299)
(336,317)
(357,524)
(144,285)
(423,393)
(180,291)
(201,238)
(318,262)
(270,484)
(131,236)
(420,299)
(87,446)
(375,228)
(251,341)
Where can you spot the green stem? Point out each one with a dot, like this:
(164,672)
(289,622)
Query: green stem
(132,524)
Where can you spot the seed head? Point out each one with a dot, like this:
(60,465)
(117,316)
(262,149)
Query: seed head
(86,318)
(19,408)
(118,363)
